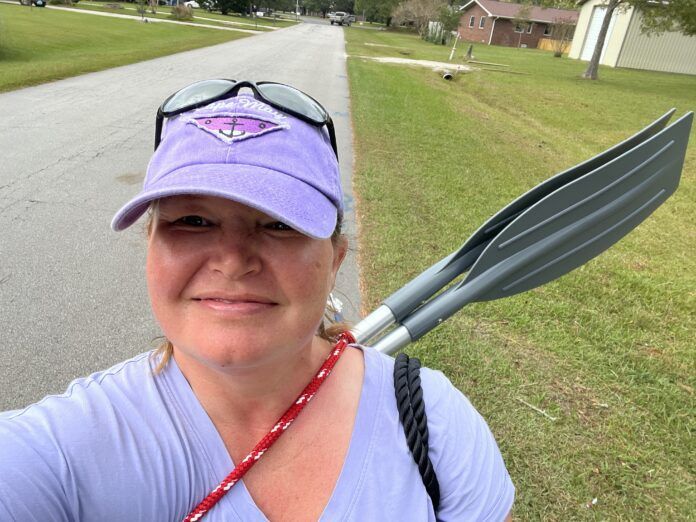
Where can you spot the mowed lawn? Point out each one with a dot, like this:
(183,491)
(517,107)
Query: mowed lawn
(608,350)
(200,16)
(40,45)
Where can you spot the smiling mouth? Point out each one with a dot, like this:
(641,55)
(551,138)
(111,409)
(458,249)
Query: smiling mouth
(228,301)
(231,300)
(238,305)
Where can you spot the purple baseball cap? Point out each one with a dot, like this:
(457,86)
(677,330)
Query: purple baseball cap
(245,150)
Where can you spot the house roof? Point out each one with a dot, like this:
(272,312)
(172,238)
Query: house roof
(536,14)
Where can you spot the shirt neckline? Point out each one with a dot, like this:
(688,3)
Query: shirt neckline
(219,462)
(352,476)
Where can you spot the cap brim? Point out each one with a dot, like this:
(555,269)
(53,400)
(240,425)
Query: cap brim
(279,195)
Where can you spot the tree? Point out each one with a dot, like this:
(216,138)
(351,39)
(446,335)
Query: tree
(420,12)
(441,30)
(376,10)
(556,4)
(347,6)
(449,18)
(317,6)
(561,33)
(593,66)
(676,15)
(229,6)
(521,20)
(658,17)
(277,5)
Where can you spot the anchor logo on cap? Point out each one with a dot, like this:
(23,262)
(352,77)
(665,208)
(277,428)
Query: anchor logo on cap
(231,128)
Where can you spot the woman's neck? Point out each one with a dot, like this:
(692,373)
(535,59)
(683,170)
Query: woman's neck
(252,398)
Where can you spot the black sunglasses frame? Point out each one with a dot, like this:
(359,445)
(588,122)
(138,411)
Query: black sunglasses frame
(234,89)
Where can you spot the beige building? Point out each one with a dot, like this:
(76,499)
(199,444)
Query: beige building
(626,46)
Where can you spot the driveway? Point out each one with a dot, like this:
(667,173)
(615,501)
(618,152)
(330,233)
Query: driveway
(72,293)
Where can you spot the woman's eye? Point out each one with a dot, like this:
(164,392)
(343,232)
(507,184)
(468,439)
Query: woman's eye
(192,221)
(278,225)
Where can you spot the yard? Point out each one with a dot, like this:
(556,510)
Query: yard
(200,16)
(40,45)
(607,350)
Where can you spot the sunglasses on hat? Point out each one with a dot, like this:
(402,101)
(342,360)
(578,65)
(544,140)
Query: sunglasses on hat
(278,95)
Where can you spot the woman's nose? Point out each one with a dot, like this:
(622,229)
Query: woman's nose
(235,255)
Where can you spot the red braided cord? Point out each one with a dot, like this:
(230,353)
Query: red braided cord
(283,424)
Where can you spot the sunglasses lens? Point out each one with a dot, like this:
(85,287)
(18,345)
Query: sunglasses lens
(295,100)
(196,93)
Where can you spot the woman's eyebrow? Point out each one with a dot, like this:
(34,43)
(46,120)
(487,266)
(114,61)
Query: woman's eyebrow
(184,206)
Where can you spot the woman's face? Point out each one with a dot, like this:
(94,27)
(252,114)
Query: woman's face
(232,287)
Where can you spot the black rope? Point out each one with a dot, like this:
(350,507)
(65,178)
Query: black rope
(409,402)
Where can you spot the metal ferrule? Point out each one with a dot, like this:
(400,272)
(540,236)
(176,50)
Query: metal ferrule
(373,324)
(394,341)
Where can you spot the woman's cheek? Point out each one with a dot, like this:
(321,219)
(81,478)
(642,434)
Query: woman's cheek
(164,278)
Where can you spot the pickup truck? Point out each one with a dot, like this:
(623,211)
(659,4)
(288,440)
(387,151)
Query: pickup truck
(340,18)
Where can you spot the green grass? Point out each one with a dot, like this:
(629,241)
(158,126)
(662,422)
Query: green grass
(261,21)
(200,16)
(608,349)
(40,45)
(163,13)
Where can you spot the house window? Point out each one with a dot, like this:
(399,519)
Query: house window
(519,28)
(472,21)
(529,28)
(547,30)
(482,22)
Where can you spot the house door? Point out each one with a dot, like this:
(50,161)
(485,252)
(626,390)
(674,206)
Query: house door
(593,33)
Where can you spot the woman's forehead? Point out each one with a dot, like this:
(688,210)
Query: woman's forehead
(189,202)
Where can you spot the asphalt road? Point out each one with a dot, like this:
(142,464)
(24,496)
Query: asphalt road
(72,293)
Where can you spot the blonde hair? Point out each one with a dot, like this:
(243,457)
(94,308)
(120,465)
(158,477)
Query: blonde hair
(329,329)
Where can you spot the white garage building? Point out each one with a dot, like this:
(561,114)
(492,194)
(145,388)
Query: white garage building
(626,46)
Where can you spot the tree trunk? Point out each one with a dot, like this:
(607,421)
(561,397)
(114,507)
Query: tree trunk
(593,66)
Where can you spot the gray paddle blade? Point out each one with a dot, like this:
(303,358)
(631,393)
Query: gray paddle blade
(506,215)
(418,290)
(562,231)
(582,219)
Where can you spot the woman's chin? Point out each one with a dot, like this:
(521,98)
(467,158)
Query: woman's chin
(243,353)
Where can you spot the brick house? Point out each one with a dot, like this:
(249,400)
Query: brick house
(493,22)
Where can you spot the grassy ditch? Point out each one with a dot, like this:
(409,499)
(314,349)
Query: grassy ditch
(607,350)
(40,45)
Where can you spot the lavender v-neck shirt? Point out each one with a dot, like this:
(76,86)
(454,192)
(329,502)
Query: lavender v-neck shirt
(125,445)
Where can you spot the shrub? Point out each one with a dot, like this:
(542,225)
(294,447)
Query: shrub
(182,12)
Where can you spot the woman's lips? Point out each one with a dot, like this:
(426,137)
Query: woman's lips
(236,305)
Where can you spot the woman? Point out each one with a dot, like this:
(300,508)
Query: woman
(244,244)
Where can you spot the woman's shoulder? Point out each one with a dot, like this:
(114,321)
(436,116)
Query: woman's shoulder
(117,383)
(453,422)
(474,482)
(78,419)
(53,449)
(437,388)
